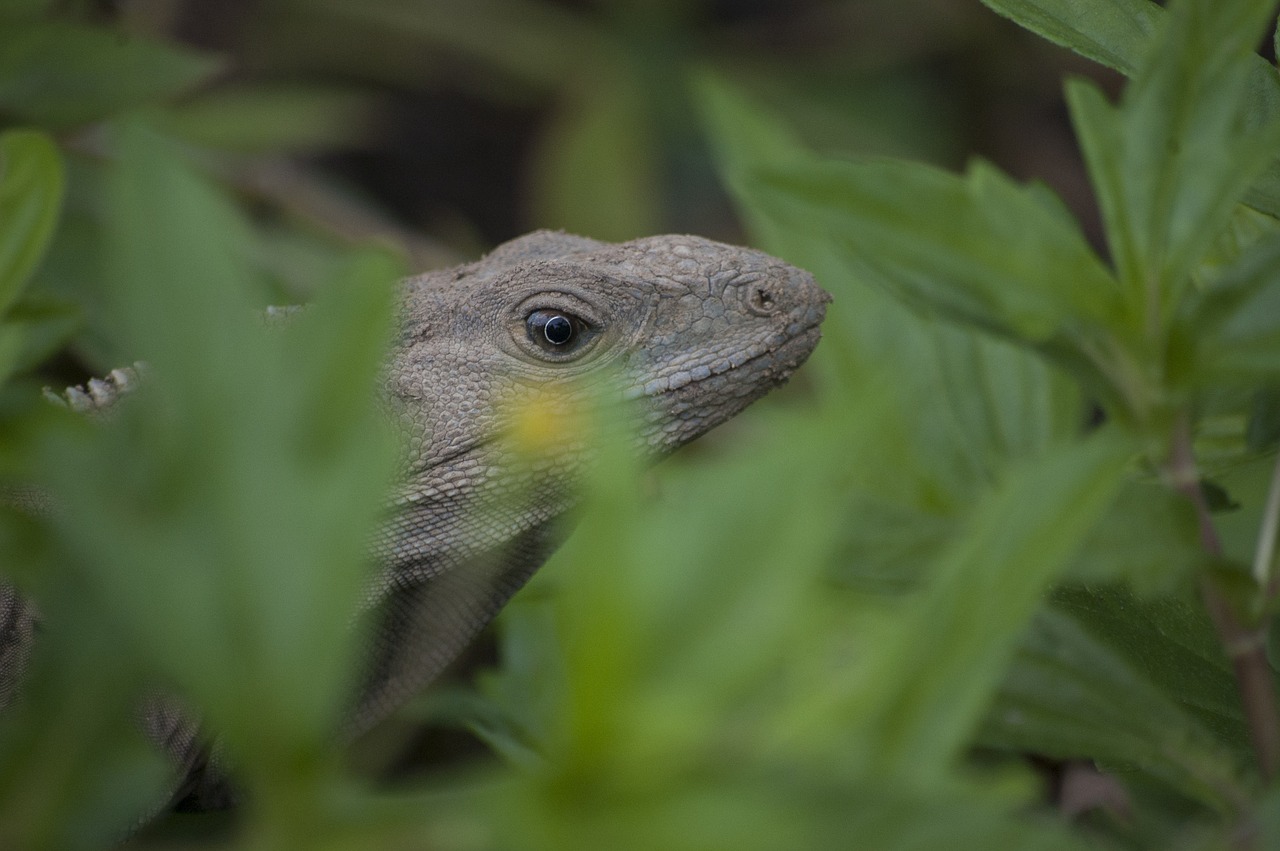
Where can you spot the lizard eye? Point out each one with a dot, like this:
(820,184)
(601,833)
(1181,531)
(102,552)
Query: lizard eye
(555,331)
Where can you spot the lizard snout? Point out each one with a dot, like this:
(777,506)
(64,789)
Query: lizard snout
(795,296)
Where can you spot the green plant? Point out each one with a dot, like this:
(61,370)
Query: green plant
(978,540)
(1177,340)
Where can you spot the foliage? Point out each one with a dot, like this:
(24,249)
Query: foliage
(1010,528)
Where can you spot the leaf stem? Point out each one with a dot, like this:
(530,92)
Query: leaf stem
(1266,550)
(1245,646)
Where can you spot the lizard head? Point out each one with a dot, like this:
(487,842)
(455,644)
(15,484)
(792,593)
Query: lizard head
(695,330)
(692,329)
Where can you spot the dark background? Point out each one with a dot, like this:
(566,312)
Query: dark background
(472,122)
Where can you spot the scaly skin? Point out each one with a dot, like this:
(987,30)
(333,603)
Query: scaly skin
(691,330)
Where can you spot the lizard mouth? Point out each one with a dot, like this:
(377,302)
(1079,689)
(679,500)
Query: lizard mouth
(691,404)
(774,360)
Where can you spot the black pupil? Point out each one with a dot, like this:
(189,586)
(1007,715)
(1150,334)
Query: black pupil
(558,330)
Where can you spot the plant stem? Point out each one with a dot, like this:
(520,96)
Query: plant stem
(1265,553)
(1245,646)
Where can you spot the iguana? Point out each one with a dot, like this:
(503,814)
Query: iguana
(693,330)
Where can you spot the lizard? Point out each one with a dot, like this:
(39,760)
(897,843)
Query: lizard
(691,331)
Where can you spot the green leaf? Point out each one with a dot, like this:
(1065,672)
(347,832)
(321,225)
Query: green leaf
(74,770)
(1236,320)
(1113,32)
(599,148)
(710,659)
(539,44)
(225,522)
(1170,639)
(977,248)
(65,74)
(273,119)
(24,8)
(33,330)
(1149,537)
(989,399)
(1120,33)
(1069,695)
(1263,431)
(865,322)
(1172,161)
(31,184)
(958,635)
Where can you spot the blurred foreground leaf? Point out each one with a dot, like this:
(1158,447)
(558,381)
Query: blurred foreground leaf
(220,519)
(933,669)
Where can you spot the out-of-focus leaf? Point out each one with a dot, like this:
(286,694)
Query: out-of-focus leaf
(1263,431)
(694,659)
(65,74)
(23,8)
(599,149)
(1172,161)
(1236,321)
(273,118)
(185,514)
(538,43)
(740,809)
(1113,32)
(31,181)
(32,330)
(957,637)
(74,770)
(1068,695)
(525,692)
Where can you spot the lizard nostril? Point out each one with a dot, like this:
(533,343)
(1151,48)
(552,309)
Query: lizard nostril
(760,301)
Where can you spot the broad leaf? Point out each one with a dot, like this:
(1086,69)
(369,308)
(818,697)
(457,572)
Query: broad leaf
(1120,33)
(599,148)
(75,772)
(1070,695)
(32,330)
(977,248)
(65,74)
(1113,32)
(1236,321)
(957,637)
(537,44)
(1149,537)
(225,515)
(274,119)
(31,183)
(1172,161)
